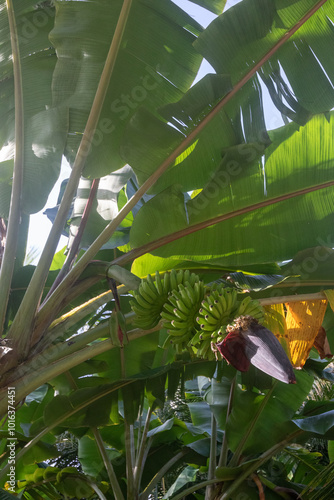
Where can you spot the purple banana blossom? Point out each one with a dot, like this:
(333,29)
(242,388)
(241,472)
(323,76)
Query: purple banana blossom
(249,342)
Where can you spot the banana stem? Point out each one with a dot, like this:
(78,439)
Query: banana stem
(224,449)
(45,370)
(77,239)
(157,478)
(212,459)
(14,219)
(109,468)
(140,462)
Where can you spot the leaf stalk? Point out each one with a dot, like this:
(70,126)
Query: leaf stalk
(14,219)
(47,371)
(262,459)
(109,468)
(224,449)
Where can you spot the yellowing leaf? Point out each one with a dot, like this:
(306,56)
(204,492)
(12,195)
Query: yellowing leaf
(274,320)
(303,321)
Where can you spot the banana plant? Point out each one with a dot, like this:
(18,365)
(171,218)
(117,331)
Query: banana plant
(246,425)
(256,438)
(114,89)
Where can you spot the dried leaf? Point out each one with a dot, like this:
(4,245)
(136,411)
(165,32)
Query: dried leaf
(322,345)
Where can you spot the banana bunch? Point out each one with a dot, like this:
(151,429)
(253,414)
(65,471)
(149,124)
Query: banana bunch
(193,314)
(250,307)
(204,349)
(219,309)
(180,312)
(216,311)
(149,300)
(152,295)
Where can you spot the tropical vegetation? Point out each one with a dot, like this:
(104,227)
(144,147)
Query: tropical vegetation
(180,197)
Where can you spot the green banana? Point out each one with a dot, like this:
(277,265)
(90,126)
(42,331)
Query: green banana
(145,322)
(254,312)
(137,309)
(169,308)
(179,314)
(214,312)
(178,332)
(167,317)
(231,298)
(159,283)
(182,307)
(179,325)
(179,277)
(172,300)
(223,299)
(204,307)
(190,291)
(243,305)
(199,290)
(249,307)
(217,309)
(208,318)
(152,284)
(181,339)
(186,275)
(215,334)
(147,292)
(254,307)
(166,283)
(141,301)
(150,298)
(173,279)
(195,339)
(218,304)
(202,351)
(184,302)
(188,302)
(205,335)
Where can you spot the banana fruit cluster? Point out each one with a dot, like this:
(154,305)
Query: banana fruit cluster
(193,314)
(180,312)
(152,295)
(218,310)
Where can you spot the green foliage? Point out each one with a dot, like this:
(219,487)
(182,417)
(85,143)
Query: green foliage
(195,184)
(54,482)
